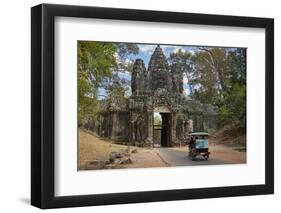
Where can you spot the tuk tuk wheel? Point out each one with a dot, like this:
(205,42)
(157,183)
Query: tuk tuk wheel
(206,157)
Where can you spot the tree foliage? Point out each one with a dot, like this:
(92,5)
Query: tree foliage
(157,119)
(97,62)
(181,62)
(217,76)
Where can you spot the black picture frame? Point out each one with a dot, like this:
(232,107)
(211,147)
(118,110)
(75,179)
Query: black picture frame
(43,105)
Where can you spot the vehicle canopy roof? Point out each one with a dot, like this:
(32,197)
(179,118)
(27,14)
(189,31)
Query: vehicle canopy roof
(198,134)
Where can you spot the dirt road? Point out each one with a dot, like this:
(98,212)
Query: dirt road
(176,157)
(221,153)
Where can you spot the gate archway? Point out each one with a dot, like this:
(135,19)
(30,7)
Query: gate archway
(162,127)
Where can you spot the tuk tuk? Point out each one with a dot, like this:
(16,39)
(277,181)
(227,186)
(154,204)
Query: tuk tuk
(198,145)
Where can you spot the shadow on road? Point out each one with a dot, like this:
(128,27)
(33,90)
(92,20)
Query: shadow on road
(180,158)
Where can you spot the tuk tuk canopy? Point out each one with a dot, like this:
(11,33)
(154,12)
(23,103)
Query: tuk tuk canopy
(199,134)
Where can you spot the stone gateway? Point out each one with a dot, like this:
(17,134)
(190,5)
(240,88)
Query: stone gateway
(159,88)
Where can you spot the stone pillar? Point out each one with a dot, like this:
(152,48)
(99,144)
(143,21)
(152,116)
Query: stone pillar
(134,130)
(182,129)
(150,127)
(131,129)
(174,127)
(114,126)
(190,125)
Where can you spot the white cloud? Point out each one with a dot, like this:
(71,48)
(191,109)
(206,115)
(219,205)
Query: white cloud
(186,86)
(148,48)
(167,49)
(185,80)
(186,91)
(125,75)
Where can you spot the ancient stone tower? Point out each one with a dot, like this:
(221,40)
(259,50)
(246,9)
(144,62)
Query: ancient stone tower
(159,88)
(159,69)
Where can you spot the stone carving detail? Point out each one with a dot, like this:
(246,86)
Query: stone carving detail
(140,79)
(159,69)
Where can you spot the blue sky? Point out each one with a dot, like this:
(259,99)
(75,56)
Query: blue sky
(146,50)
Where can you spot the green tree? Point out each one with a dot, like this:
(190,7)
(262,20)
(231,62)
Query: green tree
(157,119)
(181,62)
(96,63)
(210,75)
(217,76)
(235,99)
